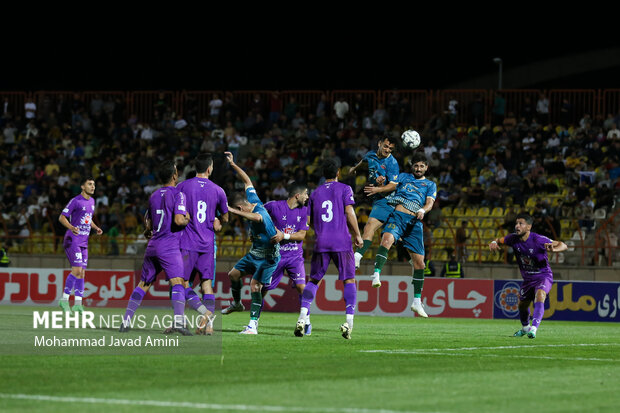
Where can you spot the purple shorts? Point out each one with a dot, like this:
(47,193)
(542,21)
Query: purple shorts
(343,260)
(77,256)
(529,287)
(295,270)
(171,263)
(202,263)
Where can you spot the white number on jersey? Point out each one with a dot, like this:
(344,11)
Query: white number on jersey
(201,215)
(330,214)
(161,220)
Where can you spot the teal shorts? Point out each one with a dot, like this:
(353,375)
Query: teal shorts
(261,268)
(381,210)
(406,228)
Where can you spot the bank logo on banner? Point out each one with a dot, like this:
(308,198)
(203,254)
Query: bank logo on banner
(507,299)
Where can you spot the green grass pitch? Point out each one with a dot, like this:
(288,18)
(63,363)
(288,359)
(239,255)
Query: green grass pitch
(390,365)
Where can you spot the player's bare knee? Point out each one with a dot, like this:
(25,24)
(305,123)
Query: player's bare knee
(541,296)
(300,288)
(234,274)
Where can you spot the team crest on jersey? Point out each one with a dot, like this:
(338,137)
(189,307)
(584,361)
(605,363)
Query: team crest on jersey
(298,219)
(507,299)
(86,219)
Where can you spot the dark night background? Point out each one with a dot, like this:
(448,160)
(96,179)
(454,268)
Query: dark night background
(234,53)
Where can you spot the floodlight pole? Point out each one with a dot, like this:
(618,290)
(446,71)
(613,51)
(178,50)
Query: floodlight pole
(499,61)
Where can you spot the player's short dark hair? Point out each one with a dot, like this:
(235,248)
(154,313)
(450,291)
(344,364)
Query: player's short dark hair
(239,198)
(389,137)
(418,157)
(296,188)
(526,217)
(86,179)
(330,169)
(203,162)
(166,171)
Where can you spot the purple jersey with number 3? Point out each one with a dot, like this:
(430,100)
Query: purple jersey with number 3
(203,198)
(531,255)
(288,221)
(329,220)
(164,204)
(79,211)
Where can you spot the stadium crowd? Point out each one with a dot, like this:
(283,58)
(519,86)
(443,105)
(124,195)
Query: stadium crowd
(500,163)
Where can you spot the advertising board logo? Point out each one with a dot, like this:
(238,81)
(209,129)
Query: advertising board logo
(508,299)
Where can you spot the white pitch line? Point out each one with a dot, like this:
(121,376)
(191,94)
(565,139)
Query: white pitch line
(430,350)
(514,356)
(189,405)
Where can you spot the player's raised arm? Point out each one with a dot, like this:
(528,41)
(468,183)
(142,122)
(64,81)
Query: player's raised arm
(556,246)
(252,216)
(244,177)
(370,190)
(496,244)
(352,170)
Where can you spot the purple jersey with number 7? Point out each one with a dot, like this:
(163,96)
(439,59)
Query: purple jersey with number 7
(164,204)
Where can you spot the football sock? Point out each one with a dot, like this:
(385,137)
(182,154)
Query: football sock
(178,304)
(539,310)
(78,290)
(194,301)
(209,302)
(235,288)
(350,320)
(418,282)
(524,316)
(308,295)
(68,286)
(134,302)
(257,305)
(362,250)
(381,258)
(350,298)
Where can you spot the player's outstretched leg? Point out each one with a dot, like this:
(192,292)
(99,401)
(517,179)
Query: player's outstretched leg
(524,316)
(380,259)
(235,305)
(134,302)
(418,284)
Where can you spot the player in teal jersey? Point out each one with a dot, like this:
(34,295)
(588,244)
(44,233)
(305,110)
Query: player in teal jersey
(382,170)
(264,255)
(413,197)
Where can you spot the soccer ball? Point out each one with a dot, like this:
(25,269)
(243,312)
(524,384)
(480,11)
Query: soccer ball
(411,139)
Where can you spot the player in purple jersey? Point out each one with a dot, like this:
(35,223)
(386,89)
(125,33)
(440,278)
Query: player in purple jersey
(531,251)
(204,200)
(264,255)
(165,219)
(77,217)
(291,219)
(331,216)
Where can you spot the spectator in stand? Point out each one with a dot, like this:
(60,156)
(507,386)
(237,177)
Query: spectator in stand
(542,109)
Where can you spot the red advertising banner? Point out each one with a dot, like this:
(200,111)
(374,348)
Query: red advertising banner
(106,288)
(441,297)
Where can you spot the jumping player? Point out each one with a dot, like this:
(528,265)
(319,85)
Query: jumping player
(414,196)
(382,170)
